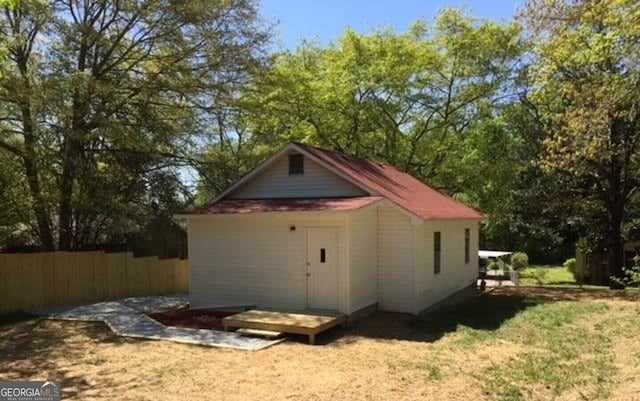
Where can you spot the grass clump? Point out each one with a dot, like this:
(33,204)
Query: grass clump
(547,275)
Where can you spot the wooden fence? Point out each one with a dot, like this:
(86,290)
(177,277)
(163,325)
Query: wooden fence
(39,280)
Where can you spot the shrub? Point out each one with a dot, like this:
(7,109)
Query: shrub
(539,275)
(630,275)
(519,261)
(493,265)
(570,264)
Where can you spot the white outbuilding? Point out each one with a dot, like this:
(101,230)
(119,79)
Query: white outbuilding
(312,229)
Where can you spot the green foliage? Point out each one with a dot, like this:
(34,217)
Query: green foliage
(519,261)
(104,106)
(493,265)
(7,5)
(579,272)
(553,327)
(553,275)
(630,275)
(425,101)
(539,276)
(585,71)
(570,264)
(556,347)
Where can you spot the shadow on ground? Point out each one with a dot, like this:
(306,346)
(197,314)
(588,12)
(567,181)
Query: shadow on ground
(487,312)
(32,349)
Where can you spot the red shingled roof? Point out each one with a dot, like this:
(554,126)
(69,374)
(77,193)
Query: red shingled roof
(284,205)
(400,188)
(381,180)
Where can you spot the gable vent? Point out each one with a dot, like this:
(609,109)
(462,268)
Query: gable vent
(296,164)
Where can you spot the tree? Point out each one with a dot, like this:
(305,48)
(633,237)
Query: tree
(5,4)
(103,103)
(586,71)
(427,101)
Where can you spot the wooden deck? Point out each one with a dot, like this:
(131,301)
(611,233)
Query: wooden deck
(306,323)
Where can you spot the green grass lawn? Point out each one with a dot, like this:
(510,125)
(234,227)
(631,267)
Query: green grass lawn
(562,343)
(546,275)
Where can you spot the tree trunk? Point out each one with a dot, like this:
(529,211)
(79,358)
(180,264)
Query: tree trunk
(39,204)
(615,203)
(71,151)
(615,247)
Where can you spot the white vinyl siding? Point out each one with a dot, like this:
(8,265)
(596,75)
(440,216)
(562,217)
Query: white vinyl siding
(363,260)
(252,259)
(395,261)
(316,182)
(454,274)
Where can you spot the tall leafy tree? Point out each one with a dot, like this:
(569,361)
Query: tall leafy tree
(586,71)
(103,102)
(426,100)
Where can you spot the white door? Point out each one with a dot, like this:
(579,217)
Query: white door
(322,268)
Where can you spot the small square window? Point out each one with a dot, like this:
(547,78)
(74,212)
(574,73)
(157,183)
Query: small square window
(296,164)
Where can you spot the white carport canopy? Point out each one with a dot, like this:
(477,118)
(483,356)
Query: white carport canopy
(492,254)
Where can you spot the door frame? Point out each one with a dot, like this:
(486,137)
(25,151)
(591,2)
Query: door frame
(336,230)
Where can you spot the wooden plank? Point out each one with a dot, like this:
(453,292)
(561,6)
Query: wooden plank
(62,282)
(6,303)
(260,333)
(22,284)
(133,287)
(182,276)
(73,276)
(99,275)
(171,275)
(291,318)
(86,285)
(159,271)
(145,276)
(47,270)
(8,300)
(116,271)
(288,322)
(31,281)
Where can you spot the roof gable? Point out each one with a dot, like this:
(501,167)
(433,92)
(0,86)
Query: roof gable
(314,181)
(376,179)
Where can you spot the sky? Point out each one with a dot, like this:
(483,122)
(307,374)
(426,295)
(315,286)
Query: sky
(325,20)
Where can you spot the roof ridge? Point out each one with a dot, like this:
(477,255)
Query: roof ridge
(304,145)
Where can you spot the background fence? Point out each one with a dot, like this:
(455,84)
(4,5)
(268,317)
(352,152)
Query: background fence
(38,280)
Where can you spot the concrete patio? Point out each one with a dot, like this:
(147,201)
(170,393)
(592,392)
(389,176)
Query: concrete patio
(127,318)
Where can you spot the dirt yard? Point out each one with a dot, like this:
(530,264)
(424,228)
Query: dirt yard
(515,344)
